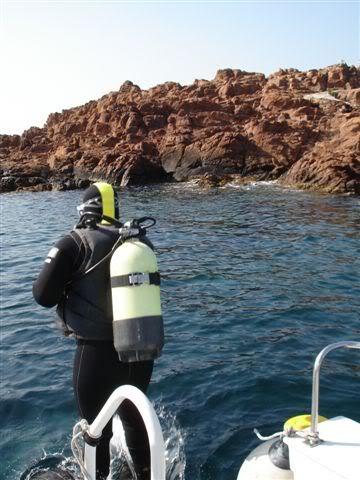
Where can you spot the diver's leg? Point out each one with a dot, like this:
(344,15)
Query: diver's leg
(139,375)
(97,372)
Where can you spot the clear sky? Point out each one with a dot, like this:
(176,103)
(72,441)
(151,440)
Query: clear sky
(60,54)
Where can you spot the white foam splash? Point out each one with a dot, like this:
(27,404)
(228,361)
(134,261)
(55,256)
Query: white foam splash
(174,447)
(246,186)
(174,440)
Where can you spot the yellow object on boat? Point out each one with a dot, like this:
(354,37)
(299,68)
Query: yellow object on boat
(300,422)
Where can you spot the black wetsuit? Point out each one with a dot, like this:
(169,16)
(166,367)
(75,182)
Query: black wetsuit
(97,369)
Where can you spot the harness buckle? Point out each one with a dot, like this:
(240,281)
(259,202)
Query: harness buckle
(139,278)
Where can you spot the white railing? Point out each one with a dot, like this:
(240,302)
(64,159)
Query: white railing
(151,421)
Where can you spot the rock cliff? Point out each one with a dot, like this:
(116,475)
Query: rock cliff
(302,128)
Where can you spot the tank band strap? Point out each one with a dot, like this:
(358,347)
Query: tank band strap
(134,279)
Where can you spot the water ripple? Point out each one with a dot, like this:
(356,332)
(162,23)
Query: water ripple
(255,281)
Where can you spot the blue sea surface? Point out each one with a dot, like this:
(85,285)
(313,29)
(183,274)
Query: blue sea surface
(255,282)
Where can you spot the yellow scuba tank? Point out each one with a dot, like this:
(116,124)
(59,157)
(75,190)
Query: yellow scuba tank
(135,289)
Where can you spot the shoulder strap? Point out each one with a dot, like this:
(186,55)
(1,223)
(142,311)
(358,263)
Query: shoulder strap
(84,252)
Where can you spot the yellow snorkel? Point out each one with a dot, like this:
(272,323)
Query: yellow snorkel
(107,199)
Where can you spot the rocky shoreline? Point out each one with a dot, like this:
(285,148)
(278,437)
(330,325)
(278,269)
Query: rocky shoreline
(301,128)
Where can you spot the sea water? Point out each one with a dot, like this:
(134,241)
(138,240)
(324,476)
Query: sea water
(255,282)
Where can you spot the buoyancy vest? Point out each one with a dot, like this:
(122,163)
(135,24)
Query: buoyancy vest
(87,306)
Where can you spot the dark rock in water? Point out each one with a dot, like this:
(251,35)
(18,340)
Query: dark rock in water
(56,474)
(51,467)
(7,184)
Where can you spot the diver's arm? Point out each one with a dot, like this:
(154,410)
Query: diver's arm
(56,272)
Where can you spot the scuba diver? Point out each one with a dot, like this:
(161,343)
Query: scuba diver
(76,278)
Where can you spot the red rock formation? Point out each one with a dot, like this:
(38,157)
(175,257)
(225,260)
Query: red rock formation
(284,127)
